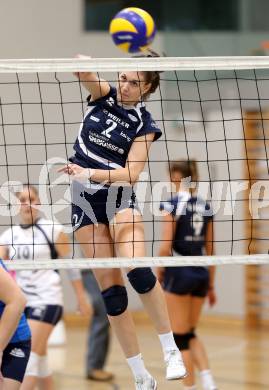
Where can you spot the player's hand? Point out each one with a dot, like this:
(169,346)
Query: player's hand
(82,56)
(78,173)
(211,295)
(81,75)
(84,307)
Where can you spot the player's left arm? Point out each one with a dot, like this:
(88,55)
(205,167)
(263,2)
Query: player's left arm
(168,228)
(209,248)
(63,249)
(137,157)
(62,245)
(168,231)
(84,306)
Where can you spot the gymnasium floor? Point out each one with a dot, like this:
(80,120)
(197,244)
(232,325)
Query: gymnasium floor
(239,359)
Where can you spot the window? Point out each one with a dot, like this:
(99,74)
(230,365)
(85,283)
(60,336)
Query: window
(168,15)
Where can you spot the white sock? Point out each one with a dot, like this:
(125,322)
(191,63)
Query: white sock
(136,364)
(207,380)
(167,342)
(190,387)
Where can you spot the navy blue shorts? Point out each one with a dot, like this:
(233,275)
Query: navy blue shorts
(15,359)
(51,314)
(91,205)
(187,281)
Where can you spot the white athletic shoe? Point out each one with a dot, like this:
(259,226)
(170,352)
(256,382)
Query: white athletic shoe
(175,368)
(210,386)
(208,382)
(146,383)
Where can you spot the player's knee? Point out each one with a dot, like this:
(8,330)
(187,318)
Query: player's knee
(182,340)
(142,279)
(115,299)
(192,333)
(32,368)
(44,369)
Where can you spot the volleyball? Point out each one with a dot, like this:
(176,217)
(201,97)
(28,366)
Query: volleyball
(132,29)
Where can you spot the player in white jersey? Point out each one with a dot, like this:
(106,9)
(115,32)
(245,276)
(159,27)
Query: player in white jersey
(112,148)
(38,238)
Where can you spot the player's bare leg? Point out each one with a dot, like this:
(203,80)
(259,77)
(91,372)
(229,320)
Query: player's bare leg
(9,384)
(197,348)
(40,335)
(128,234)
(112,286)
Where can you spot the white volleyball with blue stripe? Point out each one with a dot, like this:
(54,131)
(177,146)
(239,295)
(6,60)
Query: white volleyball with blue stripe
(132,29)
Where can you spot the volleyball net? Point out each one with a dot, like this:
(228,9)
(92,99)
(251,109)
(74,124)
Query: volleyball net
(211,110)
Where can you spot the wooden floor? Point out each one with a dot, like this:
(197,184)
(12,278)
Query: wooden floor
(239,359)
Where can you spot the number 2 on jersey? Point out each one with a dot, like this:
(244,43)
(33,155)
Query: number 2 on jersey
(111,127)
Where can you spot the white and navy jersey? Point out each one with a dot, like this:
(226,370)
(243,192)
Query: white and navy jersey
(192,216)
(108,131)
(41,287)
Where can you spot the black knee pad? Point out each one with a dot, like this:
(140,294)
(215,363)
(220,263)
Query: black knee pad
(142,279)
(182,340)
(115,299)
(192,333)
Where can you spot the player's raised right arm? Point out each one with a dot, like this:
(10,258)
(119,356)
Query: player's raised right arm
(93,83)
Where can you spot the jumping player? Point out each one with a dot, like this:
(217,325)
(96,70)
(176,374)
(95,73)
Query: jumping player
(187,231)
(111,150)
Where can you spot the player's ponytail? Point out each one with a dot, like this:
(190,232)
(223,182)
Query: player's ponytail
(194,170)
(151,77)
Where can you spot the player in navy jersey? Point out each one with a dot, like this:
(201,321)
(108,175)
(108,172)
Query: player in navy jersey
(15,336)
(187,231)
(110,152)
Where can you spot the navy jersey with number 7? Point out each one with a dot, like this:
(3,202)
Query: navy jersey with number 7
(192,216)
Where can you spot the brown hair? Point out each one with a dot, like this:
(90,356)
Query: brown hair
(152,78)
(185,167)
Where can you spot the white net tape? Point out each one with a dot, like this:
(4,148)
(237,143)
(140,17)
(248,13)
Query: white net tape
(176,261)
(118,64)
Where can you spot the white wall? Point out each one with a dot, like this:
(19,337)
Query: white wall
(49,29)
(54,28)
